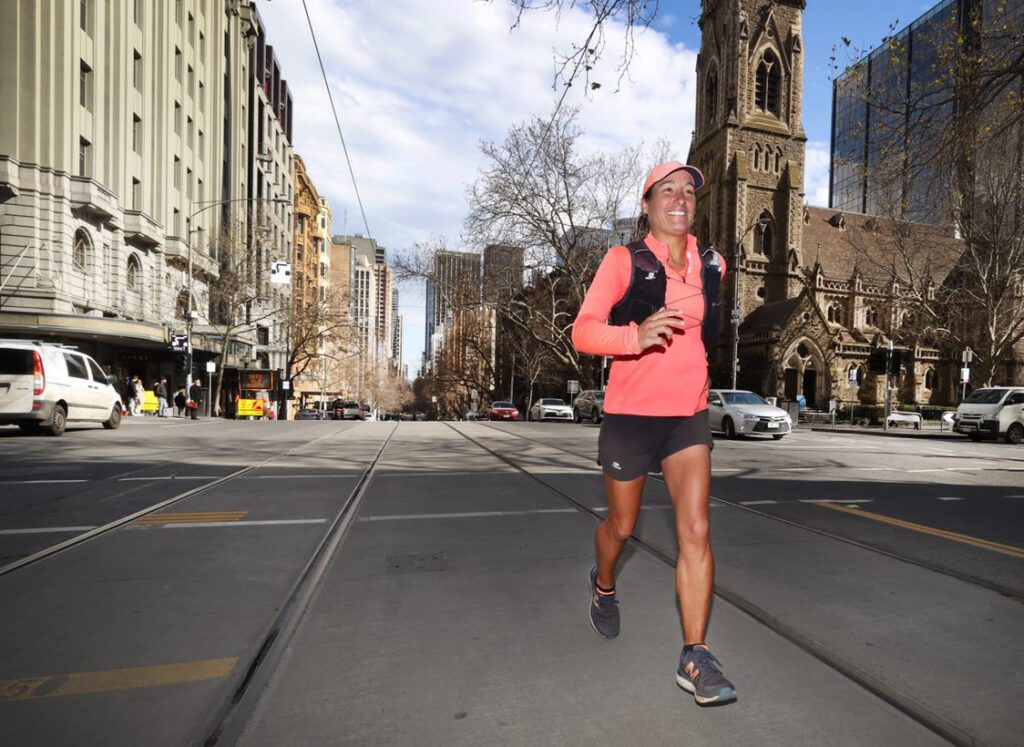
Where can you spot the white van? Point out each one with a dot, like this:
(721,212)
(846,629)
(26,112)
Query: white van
(43,386)
(992,412)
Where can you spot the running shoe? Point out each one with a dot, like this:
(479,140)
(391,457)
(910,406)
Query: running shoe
(700,673)
(604,610)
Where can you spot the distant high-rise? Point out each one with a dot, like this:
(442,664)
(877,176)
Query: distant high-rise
(454,284)
(503,272)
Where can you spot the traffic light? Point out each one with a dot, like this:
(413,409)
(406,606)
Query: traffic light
(878,360)
(901,358)
(182,363)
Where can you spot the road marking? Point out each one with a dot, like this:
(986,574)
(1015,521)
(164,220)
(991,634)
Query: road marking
(45,530)
(1014,552)
(297,477)
(726,469)
(794,469)
(836,500)
(190,518)
(469,514)
(252,523)
(950,498)
(80,683)
(757,503)
(168,477)
(934,469)
(36,482)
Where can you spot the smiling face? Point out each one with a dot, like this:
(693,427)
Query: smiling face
(670,206)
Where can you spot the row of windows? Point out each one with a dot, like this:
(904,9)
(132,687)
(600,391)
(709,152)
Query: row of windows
(81,259)
(767,88)
(835,314)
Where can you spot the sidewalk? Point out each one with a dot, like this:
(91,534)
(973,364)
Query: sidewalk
(928,430)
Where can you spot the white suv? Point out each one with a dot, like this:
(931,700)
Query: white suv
(43,386)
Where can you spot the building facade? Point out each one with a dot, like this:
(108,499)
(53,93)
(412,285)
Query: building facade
(123,161)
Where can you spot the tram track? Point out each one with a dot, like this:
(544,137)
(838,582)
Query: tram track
(100,531)
(906,705)
(950,572)
(233,716)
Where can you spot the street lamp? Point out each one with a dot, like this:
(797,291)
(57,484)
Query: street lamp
(762,221)
(190,313)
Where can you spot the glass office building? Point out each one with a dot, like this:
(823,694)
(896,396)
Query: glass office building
(883,152)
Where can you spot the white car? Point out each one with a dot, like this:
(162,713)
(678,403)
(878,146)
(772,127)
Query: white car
(550,409)
(43,386)
(737,412)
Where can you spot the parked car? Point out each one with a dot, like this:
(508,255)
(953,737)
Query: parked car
(737,412)
(550,408)
(897,418)
(588,405)
(365,413)
(43,386)
(503,411)
(310,414)
(992,412)
(473,415)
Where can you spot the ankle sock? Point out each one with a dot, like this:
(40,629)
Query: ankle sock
(604,591)
(690,646)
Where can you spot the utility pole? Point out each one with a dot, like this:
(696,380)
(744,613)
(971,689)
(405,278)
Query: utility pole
(888,392)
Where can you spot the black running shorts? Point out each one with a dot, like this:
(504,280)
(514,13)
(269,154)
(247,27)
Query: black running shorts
(633,445)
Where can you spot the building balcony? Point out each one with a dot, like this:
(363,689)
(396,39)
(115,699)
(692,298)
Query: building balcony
(9,176)
(88,196)
(139,228)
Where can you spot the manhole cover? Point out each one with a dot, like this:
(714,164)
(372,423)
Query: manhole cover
(417,561)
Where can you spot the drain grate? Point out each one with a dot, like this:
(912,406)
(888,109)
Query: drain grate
(417,562)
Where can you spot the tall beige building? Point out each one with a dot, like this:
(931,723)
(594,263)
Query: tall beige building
(126,147)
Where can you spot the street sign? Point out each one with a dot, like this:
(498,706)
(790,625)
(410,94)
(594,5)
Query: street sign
(573,386)
(179,342)
(285,384)
(211,367)
(965,375)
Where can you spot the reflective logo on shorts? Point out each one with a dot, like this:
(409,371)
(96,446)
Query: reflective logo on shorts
(615,465)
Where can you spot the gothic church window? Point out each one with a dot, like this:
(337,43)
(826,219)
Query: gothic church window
(871,317)
(766,91)
(710,97)
(757,156)
(835,313)
(929,378)
(763,234)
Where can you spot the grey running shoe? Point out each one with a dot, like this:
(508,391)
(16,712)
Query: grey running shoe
(700,673)
(604,610)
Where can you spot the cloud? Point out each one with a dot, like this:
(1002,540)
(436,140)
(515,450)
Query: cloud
(816,173)
(419,85)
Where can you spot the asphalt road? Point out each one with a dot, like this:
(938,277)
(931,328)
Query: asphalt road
(228,568)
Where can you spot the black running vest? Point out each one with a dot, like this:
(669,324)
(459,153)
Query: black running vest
(646,292)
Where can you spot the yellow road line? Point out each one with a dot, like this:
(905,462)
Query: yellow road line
(80,683)
(1013,552)
(190,518)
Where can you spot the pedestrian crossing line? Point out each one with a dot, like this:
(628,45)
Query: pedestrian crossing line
(950,498)
(191,518)
(46,530)
(1013,552)
(81,683)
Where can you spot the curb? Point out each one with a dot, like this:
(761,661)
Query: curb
(893,433)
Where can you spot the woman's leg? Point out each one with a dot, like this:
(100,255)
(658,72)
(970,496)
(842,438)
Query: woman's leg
(612,533)
(688,478)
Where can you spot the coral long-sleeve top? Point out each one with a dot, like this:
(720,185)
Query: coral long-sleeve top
(663,380)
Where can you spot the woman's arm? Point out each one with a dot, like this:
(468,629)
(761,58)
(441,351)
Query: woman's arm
(591,332)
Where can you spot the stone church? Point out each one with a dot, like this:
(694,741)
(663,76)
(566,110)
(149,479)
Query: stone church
(811,287)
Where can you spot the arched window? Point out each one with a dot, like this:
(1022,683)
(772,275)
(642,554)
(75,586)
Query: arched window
(81,251)
(852,376)
(763,234)
(778,160)
(871,317)
(766,91)
(757,156)
(835,313)
(929,378)
(711,97)
(134,273)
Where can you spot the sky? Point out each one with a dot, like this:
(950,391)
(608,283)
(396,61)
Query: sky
(419,84)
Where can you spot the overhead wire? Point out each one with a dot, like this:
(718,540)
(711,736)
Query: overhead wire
(337,121)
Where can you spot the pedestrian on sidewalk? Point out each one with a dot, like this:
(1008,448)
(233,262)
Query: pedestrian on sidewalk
(129,394)
(140,394)
(195,396)
(646,308)
(161,396)
(180,400)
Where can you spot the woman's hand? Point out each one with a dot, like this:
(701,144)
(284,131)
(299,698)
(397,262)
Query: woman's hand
(658,328)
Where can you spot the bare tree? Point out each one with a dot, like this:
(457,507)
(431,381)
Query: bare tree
(539,192)
(579,60)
